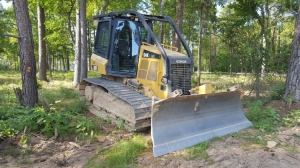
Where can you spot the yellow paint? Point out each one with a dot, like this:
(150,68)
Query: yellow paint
(100,62)
(153,85)
(204,89)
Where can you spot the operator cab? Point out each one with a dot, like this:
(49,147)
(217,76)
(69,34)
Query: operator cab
(127,36)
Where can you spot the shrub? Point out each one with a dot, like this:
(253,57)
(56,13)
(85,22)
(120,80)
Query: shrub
(264,119)
(292,119)
(39,120)
(276,92)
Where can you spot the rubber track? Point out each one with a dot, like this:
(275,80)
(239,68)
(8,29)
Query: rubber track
(140,103)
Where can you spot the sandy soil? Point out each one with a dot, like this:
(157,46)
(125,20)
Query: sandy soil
(232,152)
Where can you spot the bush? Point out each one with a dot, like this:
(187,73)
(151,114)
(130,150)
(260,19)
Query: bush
(276,92)
(292,119)
(39,120)
(264,119)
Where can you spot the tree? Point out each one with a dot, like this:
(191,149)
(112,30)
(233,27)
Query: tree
(42,43)
(292,85)
(179,21)
(83,37)
(29,96)
(77,56)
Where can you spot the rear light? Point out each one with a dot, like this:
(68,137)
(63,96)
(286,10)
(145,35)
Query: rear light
(94,67)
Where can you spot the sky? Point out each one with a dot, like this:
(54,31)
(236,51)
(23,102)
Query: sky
(5,4)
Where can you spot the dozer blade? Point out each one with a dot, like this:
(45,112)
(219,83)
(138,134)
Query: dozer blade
(185,121)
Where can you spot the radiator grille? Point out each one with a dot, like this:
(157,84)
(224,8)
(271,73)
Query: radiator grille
(181,77)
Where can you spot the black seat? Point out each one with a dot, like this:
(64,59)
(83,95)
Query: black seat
(123,45)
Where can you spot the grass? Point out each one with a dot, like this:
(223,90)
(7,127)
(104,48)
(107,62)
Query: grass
(291,149)
(221,82)
(198,151)
(122,154)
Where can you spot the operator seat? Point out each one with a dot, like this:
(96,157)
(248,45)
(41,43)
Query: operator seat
(122,48)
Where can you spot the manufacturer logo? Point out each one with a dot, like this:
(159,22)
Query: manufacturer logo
(181,61)
(146,55)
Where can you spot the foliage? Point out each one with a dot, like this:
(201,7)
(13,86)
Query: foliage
(264,119)
(276,92)
(46,122)
(121,123)
(61,110)
(230,32)
(292,119)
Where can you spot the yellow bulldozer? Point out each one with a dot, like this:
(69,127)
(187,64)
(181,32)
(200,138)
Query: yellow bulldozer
(148,84)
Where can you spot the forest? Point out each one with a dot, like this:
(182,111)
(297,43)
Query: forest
(253,43)
(225,36)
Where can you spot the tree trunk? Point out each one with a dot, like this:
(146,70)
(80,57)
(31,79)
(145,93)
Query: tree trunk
(42,44)
(77,49)
(27,59)
(200,48)
(50,62)
(179,20)
(214,61)
(292,85)
(69,13)
(161,13)
(83,73)
(105,5)
(67,60)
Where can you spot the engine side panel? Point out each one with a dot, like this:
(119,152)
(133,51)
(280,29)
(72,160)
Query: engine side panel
(151,70)
(98,64)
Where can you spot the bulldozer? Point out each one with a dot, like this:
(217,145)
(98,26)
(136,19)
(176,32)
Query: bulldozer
(146,84)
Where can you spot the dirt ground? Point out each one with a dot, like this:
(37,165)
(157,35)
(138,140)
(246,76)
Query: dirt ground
(282,150)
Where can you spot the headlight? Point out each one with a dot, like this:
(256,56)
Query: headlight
(164,80)
(94,67)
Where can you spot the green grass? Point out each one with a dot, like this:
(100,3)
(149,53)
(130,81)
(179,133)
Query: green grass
(221,82)
(122,154)
(291,149)
(198,151)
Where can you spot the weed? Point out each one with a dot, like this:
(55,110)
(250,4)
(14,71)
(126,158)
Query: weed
(255,140)
(67,92)
(108,120)
(264,119)
(291,149)
(7,128)
(292,119)
(61,114)
(10,151)
(198,150)
(122,154)
(121,123)
(276,92)
(289,101)
(217,138)
(26,151)
(25,161)
(297,136)
(85,128)
(77,106)
(23,140)
(39,120)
